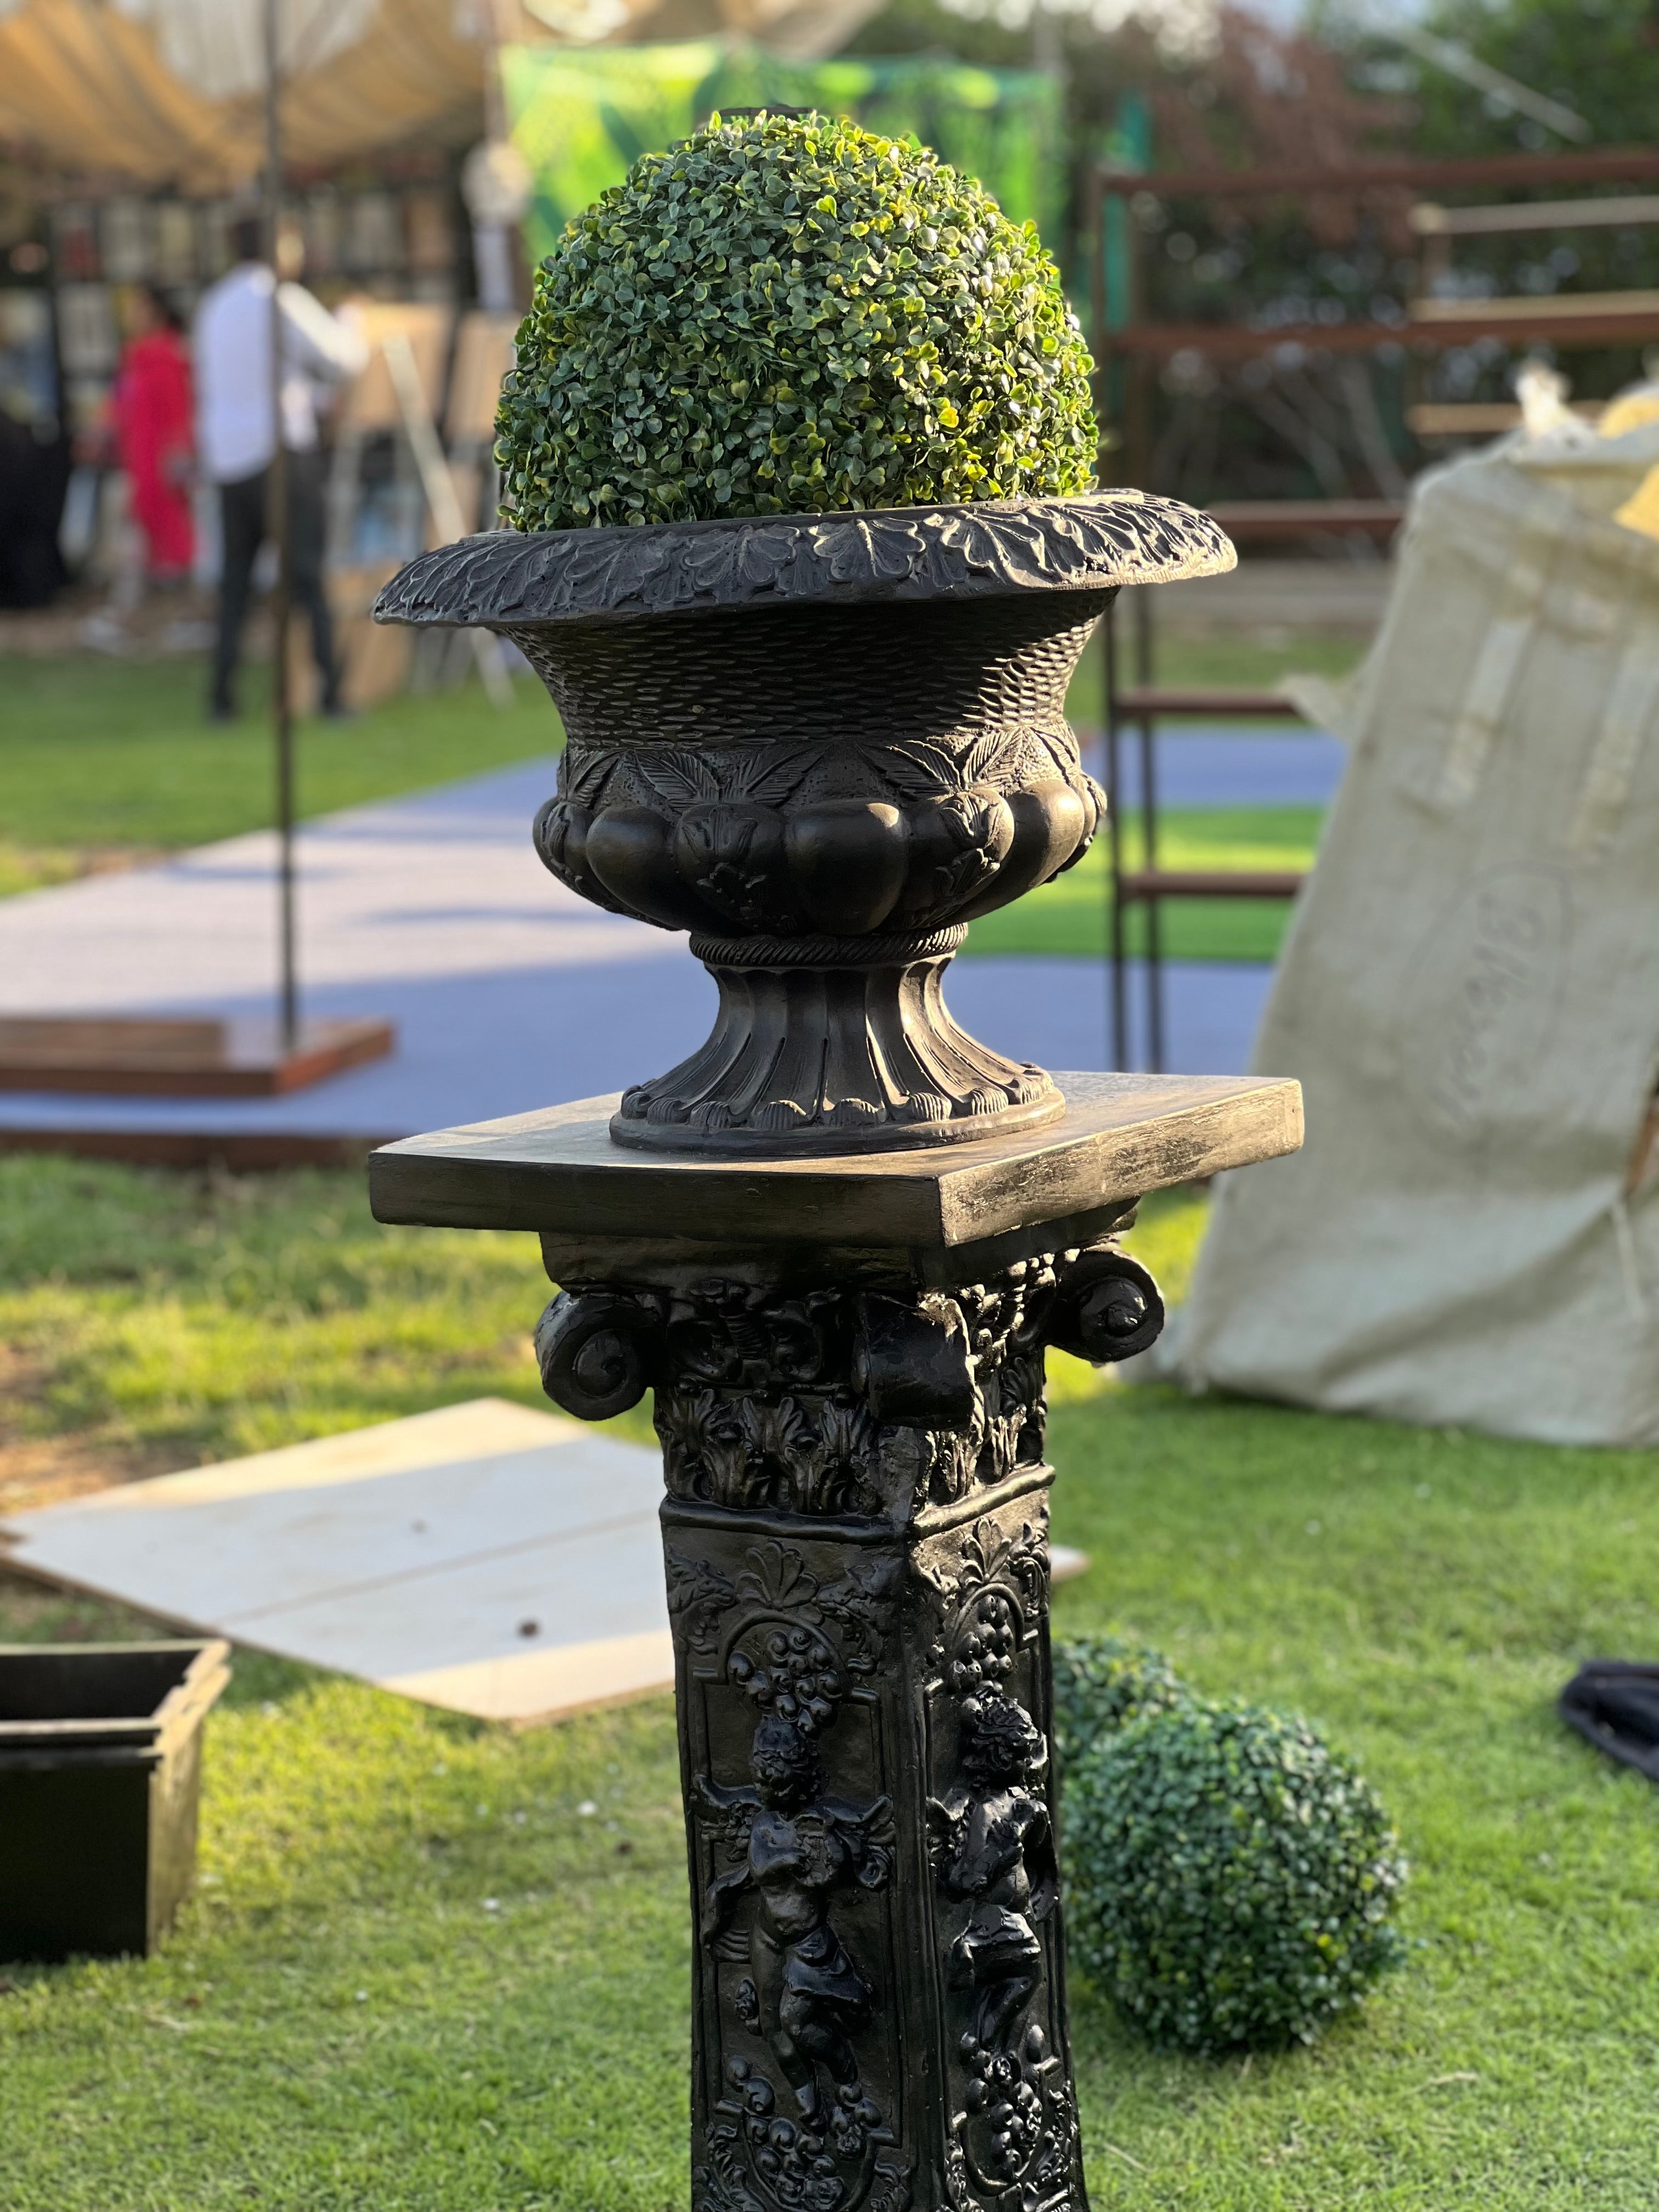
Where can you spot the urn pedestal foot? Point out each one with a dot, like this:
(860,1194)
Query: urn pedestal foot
(829,1046)
(847,1359)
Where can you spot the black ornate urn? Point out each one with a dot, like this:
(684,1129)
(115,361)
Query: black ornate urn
(821,744)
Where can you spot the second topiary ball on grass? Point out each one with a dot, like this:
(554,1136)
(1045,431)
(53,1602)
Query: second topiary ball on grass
(1102,1683)
(790,315)
(1231,1881)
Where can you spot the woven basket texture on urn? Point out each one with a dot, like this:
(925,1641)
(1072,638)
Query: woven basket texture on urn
(823,743)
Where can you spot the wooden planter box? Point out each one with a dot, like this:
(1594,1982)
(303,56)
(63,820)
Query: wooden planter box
(100,1770)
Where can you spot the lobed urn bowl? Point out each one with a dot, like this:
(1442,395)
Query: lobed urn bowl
(823,743)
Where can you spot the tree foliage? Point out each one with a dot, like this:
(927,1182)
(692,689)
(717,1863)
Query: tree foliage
(1599,58)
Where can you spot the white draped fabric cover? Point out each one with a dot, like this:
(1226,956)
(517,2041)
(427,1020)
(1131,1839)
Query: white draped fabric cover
(1470,991)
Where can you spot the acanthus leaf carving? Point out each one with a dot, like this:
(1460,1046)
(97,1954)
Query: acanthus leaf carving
(992,1602)
(823,1403)
(768,776)
(1094,539)
(776,1585)
(983,759)
(675,773)
(584,772)
(699,1594)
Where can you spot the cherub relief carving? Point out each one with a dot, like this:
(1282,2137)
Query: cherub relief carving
(993,1845)
(794,1848)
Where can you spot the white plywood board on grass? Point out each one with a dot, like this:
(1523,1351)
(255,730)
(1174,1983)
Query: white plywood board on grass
(485,1558)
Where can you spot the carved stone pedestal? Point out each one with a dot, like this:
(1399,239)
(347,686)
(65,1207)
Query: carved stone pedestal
(879,1978)
(847,1354)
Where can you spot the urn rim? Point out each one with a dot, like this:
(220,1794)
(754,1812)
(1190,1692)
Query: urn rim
(511,579)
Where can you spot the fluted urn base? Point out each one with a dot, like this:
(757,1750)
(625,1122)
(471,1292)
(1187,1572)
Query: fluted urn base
(834,1045)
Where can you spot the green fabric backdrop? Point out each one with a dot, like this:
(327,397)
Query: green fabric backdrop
(581,118)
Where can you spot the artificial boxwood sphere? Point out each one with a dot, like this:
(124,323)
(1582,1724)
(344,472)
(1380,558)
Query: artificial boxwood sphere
(792,315)
(1102,1683)
(1231,1880)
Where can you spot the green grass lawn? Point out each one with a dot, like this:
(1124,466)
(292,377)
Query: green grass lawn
(1069,914)
(1215,660)
(418,1975)
(99,756)
(166,1319)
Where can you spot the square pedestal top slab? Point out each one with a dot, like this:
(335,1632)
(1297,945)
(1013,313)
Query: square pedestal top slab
(558,1171)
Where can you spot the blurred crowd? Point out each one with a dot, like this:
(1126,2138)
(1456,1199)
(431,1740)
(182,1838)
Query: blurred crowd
(194,407)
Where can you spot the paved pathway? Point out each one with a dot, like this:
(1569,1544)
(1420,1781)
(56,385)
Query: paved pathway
(1199,766)
(508,992)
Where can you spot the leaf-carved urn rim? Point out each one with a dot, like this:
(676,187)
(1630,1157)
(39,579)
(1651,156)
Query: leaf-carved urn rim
(1097,541)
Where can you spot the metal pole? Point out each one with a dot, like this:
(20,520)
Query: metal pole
(280,705)
(1153,905)
(1119,1008)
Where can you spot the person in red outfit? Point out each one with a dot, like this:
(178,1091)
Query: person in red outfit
(154,411)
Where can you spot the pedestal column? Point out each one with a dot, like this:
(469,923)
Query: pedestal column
(878,1980)
(847,1355)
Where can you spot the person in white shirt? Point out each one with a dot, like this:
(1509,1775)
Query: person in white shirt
(236,442)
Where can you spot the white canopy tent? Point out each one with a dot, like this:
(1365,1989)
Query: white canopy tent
(171,92)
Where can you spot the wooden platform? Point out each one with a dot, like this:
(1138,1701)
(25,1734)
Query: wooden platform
(1138,699)
(154,1056)
(237,1152)
(455,1557)
(1149,884)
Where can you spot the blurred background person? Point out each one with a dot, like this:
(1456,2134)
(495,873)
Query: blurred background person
(34,469)
(154,411)
(235,437)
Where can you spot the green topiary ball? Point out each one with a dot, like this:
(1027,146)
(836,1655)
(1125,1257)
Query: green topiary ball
(1102,1683)
(1231,1880)
(785,316)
